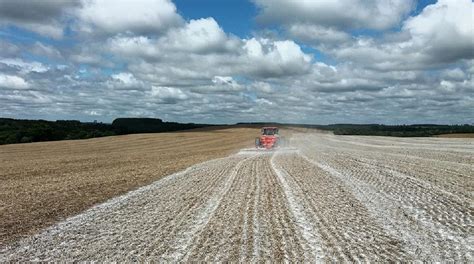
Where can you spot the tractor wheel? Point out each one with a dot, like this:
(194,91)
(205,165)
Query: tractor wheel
(257,142)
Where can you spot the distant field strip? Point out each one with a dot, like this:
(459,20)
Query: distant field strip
(327,198)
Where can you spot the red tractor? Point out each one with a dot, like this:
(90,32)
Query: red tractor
(269,138)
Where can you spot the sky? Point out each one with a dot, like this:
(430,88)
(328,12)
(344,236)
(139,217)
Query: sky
(214,61)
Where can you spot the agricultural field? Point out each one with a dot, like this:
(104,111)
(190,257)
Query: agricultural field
(43,183)
(457,135)
(323,198)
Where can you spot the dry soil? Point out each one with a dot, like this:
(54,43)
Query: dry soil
(43,183)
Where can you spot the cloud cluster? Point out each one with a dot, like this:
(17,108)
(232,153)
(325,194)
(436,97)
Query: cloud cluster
(340,14)
(123,16)
(12,82)
(45,17)
(377,63)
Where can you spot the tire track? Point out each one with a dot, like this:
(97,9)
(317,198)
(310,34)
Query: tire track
(347,230)
(219,237)
(454,177)
(433,223)
(138,225)
(264,230)
(313,250)
(184,242)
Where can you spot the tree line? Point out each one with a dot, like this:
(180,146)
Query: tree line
(416,130)
(24,131)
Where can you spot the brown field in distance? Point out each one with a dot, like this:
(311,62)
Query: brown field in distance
(458,135)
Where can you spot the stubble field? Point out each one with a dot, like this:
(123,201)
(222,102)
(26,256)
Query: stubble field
(43,183)
(325,198)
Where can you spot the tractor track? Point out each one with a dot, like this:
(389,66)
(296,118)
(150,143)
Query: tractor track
(331,199)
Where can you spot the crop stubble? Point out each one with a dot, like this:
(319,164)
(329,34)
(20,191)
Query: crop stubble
(42,183)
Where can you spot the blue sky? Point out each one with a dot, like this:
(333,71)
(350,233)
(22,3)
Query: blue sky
(231,61)
(234,16)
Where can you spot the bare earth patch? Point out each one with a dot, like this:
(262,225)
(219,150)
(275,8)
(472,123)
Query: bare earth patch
(457,135)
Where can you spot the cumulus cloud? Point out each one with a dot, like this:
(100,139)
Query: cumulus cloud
(8,49)
(201,36)
(455,74)
(382,14)
(169,95)
(164,58)
(268,58)
(126,81)
(197,36)
(12,82)
(316,34)
(445,30)
(139,46)
(43,17)
(44,50)
(262,87)
(441,34)
(24,66)
(228,82)
(121,16)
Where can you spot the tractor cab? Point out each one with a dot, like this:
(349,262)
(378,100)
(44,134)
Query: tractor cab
(269,131)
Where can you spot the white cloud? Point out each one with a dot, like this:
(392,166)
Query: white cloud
(44,17)
(342,14)
(53,29)
(220,84)
(268,58)
(263,87)
(12,82)
(45,50)
(440,35)
(444,15)
(25,67)
(134,46)
(263,101)
(210,57)
(444,29)
(455,74)
(8,49)
(202,36)
(168,94)
(120,16)
(315,34)
(226,81)
(198,36)
(87,58)
(126,81)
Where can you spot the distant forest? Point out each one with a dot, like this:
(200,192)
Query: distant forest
(416,130)
(24,131)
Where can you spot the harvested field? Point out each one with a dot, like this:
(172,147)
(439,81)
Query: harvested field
(327,198)
(42,183)
(457,135)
